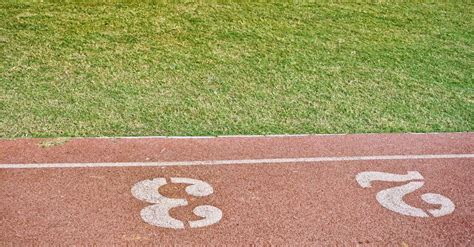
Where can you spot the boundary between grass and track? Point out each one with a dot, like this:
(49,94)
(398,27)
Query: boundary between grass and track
(234,136)
(236,162)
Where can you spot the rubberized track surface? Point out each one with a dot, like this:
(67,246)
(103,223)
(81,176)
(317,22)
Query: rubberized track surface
(310,190)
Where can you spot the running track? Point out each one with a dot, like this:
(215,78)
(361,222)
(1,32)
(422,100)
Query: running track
(375,189)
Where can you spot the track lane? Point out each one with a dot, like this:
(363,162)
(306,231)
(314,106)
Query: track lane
(302,203)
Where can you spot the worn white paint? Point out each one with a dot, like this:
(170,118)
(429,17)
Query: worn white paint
(210,215)
(158,213)
(447,206)
(196,187)
(392,198)
(365,178)
(237,162)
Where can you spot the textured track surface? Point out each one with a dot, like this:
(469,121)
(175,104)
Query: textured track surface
(295,201)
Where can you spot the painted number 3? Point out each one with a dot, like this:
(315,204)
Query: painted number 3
(158,213)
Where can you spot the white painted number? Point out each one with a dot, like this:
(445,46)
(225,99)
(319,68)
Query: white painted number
(158,213)
(392,198)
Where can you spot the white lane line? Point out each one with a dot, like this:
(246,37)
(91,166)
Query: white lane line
(236,162)
(246,136)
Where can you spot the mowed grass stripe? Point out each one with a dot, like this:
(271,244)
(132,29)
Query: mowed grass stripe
(105,69)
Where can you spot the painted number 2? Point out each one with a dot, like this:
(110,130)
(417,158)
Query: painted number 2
(392,198)
(158,213)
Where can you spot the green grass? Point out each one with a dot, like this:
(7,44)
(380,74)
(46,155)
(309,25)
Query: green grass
(95,69)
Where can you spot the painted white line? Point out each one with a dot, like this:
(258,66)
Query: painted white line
(241,136)
(237,162)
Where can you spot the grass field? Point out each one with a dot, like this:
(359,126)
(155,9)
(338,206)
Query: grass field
(90,69)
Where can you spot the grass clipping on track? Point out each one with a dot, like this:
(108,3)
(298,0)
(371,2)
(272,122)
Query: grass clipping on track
(92,69)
